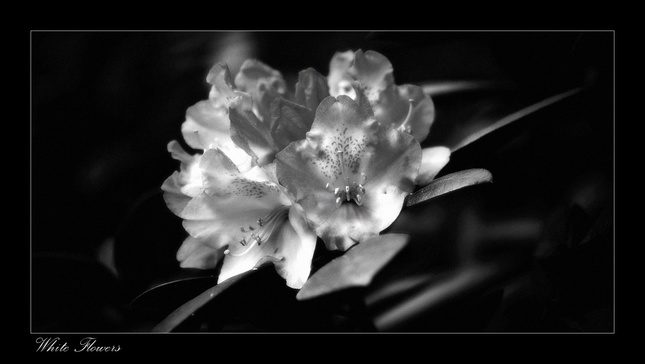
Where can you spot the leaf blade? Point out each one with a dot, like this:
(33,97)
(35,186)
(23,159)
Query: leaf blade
(355,268)
(441,88)
(182,313)
(171,291)
(515,116)
(449,183)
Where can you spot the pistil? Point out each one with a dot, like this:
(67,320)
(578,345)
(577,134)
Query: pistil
(405,125)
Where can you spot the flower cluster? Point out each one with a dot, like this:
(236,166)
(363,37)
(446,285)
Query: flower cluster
(276,168)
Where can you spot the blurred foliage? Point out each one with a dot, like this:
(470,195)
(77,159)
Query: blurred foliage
(531,252)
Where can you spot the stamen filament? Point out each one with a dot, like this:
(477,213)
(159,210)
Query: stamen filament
(405,124)
(264,230)
(248,248)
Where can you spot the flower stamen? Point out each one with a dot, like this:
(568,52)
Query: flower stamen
(352,191)
(262,232)
(405,125)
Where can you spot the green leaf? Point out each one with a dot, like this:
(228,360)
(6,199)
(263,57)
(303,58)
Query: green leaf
(449,183)
(355,268)
(189,308)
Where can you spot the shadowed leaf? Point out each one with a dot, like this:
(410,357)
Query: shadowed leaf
(189,308)
(169,295)
(355,268)
(448,183)
(437,293)
(514,117)
(459,86)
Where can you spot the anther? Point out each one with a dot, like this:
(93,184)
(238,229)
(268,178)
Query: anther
(347,196)
(339,201)
(361,189)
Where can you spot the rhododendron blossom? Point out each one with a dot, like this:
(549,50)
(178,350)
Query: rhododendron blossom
(405,107)
(276,169)
(247,219)
(227,194)
(351,174)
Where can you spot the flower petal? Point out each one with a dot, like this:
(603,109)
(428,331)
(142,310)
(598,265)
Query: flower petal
(218,171)
(189,178)
(393,165)
(174,198)
(219,220)
(432,161)
(263,83)
(234,265)
(231,204)
(373,71)
(251,135)
(205,124)
(311,88)
(242,160)
(290,249)
(394,161)
(393,108)
(289,122)
(194,253)
(184,184)
(348,225)
(338,79)
(347,147)
(223,89)
(311,166)
(341,124)
(297,243)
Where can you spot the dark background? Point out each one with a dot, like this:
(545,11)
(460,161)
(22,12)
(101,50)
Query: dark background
(105,104)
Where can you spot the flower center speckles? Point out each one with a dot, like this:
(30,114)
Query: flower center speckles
(247,188)
(339,162)
(260,233)
(341,156)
